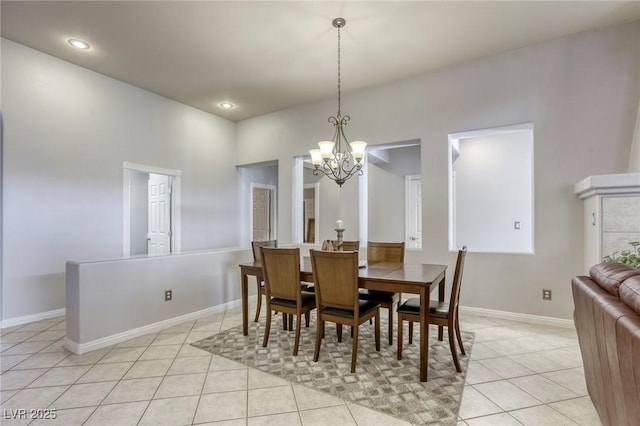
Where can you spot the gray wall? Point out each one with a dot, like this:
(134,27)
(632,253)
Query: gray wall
(67,131)
(580,91)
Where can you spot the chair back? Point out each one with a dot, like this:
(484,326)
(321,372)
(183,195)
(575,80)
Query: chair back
(347,245)
(255,246)
(335,275)
(281,271)
(457,280)
(385,252)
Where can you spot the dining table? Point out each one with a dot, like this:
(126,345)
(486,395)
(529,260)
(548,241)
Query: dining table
(415,278)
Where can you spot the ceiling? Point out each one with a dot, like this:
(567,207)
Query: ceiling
(265,56)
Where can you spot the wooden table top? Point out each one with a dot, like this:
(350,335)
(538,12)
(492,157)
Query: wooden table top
(410,273)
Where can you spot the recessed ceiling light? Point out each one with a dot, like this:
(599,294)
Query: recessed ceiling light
(78,44)
(226,105)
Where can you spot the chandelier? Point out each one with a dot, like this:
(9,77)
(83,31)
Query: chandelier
(338,159)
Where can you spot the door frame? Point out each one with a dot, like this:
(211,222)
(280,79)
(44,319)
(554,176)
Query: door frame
(273,193)
(176,198)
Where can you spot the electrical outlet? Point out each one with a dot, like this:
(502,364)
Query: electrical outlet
(167,295)
(546,294)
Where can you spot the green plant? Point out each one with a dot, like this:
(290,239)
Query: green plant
(629,257)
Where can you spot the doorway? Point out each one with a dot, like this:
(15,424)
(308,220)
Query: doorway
(151,210)
(310,211)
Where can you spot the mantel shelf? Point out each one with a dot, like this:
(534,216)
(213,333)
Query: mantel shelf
(620,184)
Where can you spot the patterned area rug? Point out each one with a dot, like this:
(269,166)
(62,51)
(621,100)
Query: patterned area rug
(381,382)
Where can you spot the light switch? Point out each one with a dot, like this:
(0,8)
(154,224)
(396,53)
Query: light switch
(516,225)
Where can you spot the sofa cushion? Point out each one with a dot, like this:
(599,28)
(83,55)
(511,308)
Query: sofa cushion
(610,275)
(630,293)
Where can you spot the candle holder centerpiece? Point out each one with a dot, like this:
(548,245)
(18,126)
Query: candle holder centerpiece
(339,231)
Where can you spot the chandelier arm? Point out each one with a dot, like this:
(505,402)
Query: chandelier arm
(353,169)
(329,172)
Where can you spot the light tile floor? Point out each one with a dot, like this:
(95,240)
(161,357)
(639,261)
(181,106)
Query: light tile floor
(519,374)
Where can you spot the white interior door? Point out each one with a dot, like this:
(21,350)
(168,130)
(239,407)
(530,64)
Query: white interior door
(261,214)
(413,210)
(159,235)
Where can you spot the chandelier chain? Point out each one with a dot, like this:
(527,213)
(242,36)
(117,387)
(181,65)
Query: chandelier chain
(339,101)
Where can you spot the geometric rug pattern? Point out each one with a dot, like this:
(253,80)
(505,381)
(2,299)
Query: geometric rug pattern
(381,382)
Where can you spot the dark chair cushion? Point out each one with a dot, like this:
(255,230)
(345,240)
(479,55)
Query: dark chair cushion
(307,299)
(436,309)
(378,296)
(364,306)
(609,275)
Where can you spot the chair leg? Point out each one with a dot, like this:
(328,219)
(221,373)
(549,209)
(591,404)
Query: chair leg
(307,315)
(452,346)
(400,323)
(391,325)
(458,335)
(259,306)
(290,321)
(440,333)
(339,332)
(295,346)
(319,336)
(410,332)
(377,332)
(267,328)
(285,319)
(354,348)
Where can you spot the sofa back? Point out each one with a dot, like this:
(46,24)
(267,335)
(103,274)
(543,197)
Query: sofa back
(607,319)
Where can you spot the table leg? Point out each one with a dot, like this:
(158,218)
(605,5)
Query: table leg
(424,334)
(245,303)
(441,299)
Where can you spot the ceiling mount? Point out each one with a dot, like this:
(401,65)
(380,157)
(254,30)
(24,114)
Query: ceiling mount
(339,22)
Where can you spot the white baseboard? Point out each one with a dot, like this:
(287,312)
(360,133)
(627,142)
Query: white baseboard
(82,348)
(515,316)
(12,322)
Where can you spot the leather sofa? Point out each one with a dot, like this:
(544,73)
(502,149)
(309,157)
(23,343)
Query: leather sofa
(607,320)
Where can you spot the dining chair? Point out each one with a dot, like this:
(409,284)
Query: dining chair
(442,314)
(330,245)
(257,257)
(281,272)
(384,252)
(347,245)
(335,274)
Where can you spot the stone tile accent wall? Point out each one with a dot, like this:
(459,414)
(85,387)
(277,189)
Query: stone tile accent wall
(620,223)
